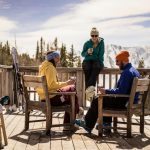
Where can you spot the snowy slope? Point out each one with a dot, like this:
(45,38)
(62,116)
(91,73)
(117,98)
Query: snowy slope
(136,54)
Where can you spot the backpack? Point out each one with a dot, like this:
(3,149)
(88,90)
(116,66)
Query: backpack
(5,100)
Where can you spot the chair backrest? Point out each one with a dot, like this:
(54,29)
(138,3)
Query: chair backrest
(141,85)
(147,103)
(31,82)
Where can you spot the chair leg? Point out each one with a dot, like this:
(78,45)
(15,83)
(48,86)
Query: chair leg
(72,115)
(1,145)
(100,117)
(27,113)
(129,126)
(142,118)
(48,123)
(4,130)
(115,124)
(100,129)
(142,124)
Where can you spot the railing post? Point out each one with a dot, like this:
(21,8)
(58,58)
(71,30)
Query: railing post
(7,84)
(0,83)
(79,87)
(4,82)
(10,85)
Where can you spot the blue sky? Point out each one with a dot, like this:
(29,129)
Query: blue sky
(121,22)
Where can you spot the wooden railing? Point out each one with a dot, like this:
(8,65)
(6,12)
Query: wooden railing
(107,78)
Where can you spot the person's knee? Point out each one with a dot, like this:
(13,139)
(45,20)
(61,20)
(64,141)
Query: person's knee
(86,66)
(94,102)
(98,66)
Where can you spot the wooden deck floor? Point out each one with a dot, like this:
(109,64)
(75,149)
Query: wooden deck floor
(35,138)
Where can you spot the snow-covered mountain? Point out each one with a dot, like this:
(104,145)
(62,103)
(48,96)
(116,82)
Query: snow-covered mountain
(136,54)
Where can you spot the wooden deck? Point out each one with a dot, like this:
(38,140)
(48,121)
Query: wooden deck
(35,138)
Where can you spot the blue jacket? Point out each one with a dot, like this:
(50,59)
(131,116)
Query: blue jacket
(125,82)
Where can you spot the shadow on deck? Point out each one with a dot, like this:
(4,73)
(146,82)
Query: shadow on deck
(36,139)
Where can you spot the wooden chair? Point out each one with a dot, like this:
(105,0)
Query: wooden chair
(139,85)
(2,128)
(30,83)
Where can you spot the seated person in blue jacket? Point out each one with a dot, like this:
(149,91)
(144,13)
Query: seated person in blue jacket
(123,87)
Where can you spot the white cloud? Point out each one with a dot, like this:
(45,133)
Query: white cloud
(4,4)
(97,10)
(7,28)
(111,17)
(6,24)
(112,8)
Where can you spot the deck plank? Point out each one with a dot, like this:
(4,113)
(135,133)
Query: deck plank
(136,141)
(67,143)
(44,143)
(35,134)
(35,138)
(56,135)
(102,144)
(78,142)
(23,137)
(88,141)
(13,129)
(115,141)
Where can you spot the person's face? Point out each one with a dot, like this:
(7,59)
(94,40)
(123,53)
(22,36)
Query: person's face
(57,60)
(94,38)
(120,64)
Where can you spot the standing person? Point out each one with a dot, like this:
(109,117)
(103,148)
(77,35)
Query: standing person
(93,53)
(48,69)
(123,87)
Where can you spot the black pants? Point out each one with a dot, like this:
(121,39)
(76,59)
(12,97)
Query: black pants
(91,70)
(92,114)
(56,101)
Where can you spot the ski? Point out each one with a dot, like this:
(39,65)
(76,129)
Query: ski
(18,89)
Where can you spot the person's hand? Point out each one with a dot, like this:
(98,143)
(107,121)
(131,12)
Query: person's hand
(90,51)
(101,90)
(70,82)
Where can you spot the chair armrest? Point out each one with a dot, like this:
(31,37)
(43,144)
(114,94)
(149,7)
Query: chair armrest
(62,93)
(113,95)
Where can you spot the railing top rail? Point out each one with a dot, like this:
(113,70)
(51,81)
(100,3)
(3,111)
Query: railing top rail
(65,69)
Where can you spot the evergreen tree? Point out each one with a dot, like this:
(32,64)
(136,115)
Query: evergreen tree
(8,55)
(7,48)
(37,51)
(41,47)
(48,48)
(79,64)
(56,44)
(24,59)
(1,45)
(63,54)
(2,55)
(5,57)
(72,57)
(141,63)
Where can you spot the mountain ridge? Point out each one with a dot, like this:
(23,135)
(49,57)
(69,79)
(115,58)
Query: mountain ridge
(136,54)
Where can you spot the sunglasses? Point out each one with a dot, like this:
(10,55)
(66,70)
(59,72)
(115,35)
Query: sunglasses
(94,35)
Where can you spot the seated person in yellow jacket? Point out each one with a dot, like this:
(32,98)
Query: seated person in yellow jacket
(48,69)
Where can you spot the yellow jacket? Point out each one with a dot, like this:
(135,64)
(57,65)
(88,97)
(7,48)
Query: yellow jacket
(47,69)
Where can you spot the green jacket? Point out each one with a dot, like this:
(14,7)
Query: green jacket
(98,52)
